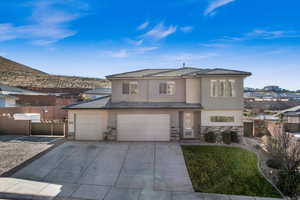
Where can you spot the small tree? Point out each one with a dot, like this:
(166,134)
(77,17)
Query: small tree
(286,149)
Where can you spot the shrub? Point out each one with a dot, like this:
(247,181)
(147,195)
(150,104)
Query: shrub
(234,137)
(226,137)
(210,137)
(289,182)
(274,163)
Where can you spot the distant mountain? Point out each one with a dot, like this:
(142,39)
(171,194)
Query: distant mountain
(19,75)
(7,65)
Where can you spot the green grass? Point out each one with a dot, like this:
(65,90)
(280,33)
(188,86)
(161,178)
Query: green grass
(226,170)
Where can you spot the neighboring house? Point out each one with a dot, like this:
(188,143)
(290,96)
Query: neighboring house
(7,100)
(32,98)
(96,93)
(162,105)
(10,90)
(291,121)
(291,115)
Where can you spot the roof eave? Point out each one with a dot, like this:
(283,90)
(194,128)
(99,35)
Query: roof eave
(83,102)
(239,75)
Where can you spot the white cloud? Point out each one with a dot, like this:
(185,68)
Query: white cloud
(43,42)
(124,53)
(120,54)
(160,31)
(185,57)
(215,45)
(48,24)
(143,26)
(261,34)
(142,50)
(135,42)
(186,29)
(215,4)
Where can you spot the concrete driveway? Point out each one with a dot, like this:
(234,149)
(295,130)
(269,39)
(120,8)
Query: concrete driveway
(93,170)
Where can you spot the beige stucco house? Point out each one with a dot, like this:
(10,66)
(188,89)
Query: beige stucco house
(162,105)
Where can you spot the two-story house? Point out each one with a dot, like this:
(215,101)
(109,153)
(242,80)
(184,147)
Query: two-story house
(162,105)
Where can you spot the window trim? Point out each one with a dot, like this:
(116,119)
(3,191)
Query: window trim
(222,88)
(231,83)
(130,87)
(213,88)
(169,91)
(220,121)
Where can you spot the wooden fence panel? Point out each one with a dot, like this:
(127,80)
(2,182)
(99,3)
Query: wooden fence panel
(40,129)
(248,129)
(58,129)
(9,126)
(48,129)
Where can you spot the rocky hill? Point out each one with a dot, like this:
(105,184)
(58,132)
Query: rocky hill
(19,75)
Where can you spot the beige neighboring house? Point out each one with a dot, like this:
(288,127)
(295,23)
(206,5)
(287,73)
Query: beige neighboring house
(162,105)
(291,115)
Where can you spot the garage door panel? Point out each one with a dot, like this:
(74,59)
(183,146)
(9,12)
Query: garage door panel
(89,126)
(143,127)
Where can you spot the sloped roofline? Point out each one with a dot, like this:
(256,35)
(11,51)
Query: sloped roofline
(140,70)
(195,73)
(83,102)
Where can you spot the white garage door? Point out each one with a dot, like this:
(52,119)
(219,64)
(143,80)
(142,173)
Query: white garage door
(143,127)
(89,126)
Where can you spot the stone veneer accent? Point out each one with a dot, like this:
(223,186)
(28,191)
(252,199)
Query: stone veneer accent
(175,134)
(110,134)
(218,130)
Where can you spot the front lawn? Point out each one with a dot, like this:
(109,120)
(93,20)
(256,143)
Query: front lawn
(226,170)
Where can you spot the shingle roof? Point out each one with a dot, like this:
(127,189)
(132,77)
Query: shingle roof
(179,72)
(139,73)
(99,91)
(7,96)
(15,90)
(292,110)
(105,103)
(153,105)
(98,103)
(292,113)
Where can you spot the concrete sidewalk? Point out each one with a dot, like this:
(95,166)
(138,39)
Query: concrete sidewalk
(12,188)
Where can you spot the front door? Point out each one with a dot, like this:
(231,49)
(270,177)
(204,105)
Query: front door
(188,125)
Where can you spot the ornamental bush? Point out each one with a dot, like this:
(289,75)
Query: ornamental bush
(226,137)
(210,137)
(234,137)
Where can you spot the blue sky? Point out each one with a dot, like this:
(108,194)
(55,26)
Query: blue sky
(97,38)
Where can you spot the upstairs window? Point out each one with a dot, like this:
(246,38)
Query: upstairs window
(231,92)
(167,88)
(222,88)
(130,87)
(214,88)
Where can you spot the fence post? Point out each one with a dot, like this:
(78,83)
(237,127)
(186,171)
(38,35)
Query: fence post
(29,131)
(64,128)
(51,127)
